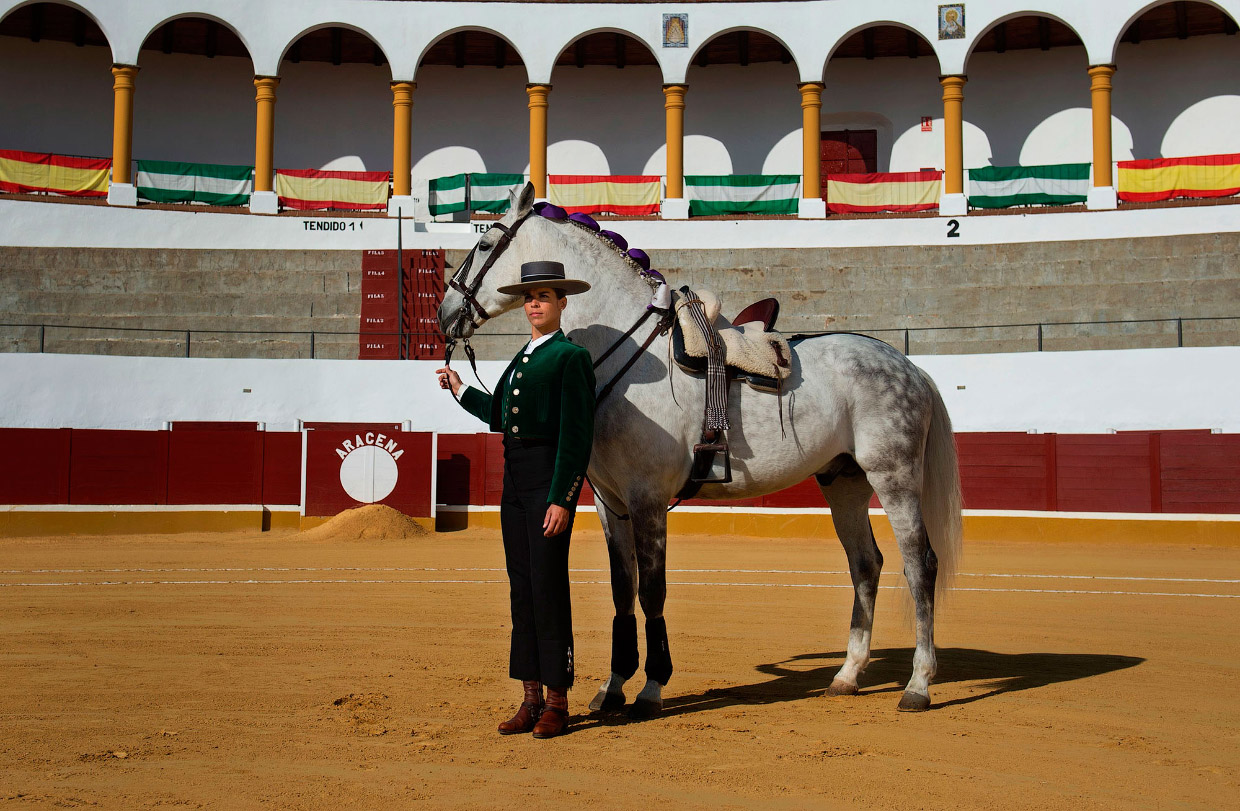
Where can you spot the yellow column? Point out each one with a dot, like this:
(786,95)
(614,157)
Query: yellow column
(674,108)
(402,146)
(811,140)
(953,133)
(264,131)
(538,137)
(122,122)
(1100,96)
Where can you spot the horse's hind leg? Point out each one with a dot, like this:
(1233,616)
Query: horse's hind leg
(900,493)
(624,654)
(848,494)
(650,534)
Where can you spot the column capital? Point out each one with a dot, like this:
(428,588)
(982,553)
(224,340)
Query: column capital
(674,96)
(811,94)
(1100,77)
(402,93)
(265,88)
(123,75)
(953,87)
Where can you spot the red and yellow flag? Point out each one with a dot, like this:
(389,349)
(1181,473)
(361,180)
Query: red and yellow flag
(25,172)
(883,191)
(612,194)
(315,189)
(1166,178)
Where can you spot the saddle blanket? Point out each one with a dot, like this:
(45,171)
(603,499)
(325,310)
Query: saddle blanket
(747,347)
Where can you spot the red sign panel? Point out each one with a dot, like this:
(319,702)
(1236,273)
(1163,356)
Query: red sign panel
(369,464)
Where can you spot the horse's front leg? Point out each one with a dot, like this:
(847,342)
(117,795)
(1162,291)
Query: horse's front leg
(650,531)
(623,557)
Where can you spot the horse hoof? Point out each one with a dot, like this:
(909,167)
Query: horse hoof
(841,688)
(607,701)
(914,702)
(644,709)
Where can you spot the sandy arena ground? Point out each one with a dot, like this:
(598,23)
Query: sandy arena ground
(276,671)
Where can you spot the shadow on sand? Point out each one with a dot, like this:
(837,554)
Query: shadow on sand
(809,675)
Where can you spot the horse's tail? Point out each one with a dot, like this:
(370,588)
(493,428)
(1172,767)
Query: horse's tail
(940,491)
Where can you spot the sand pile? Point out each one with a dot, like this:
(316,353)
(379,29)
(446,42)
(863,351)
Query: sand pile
(374,522)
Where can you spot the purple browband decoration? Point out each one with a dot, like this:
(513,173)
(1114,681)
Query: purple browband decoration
(656,274)
(620,242)
(584,219)
(551,212)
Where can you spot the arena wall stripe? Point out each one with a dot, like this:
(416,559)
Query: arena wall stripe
(125,519)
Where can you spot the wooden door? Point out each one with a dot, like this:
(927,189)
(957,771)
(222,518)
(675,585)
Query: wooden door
(849,152)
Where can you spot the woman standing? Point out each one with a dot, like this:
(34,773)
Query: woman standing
(544,406)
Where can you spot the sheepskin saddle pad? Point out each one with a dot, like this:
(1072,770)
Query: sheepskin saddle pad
(760,357)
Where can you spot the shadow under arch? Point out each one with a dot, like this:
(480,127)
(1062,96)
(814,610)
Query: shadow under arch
(808,675)
(1126,28)
(36,8)
(163,36)
(334,27)
(863,41)
(625,48)
(1053,31)
(461,36)
(746,51)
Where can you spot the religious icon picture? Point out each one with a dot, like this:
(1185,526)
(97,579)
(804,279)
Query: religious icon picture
(951,21)
(675,30)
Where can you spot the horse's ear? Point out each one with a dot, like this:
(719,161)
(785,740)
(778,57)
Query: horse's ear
(525,202)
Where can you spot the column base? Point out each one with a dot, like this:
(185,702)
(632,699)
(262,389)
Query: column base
(954,205)
(674,208)
(811,208)
(1102,198)
(404,204)
(264,202)
(122,194)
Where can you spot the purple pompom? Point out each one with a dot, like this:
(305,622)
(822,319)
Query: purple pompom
(656,274)
(584,219)
(551,212)
(620,242)
(639,256)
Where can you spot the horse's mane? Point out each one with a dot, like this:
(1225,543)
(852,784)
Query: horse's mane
(650,278)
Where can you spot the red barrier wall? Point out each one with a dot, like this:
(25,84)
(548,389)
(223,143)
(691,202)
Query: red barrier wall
(36,468)
(215,466)
(119,467)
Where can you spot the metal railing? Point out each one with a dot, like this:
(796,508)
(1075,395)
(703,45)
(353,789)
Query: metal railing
(311,338)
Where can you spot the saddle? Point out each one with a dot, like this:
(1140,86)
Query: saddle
(703,342)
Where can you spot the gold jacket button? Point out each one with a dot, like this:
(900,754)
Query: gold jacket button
(519,375)
(515,392)
(514,429)
(525,359)
(515,410)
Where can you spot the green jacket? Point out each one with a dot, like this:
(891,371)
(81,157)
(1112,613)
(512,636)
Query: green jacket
(551,397)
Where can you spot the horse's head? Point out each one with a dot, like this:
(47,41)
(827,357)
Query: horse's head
(495,260)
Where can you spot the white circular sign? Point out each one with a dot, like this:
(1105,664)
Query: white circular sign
(368,474)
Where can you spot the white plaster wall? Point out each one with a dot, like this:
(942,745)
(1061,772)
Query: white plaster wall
(1171,98)
(1067,392)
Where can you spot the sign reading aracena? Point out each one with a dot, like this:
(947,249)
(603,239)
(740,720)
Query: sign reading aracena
(369,464)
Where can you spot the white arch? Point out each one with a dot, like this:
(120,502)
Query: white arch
(189,15)
(975,39)
(610,29)
(95,17)
(465,29)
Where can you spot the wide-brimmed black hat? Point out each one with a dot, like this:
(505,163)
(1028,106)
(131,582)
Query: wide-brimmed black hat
(544,274)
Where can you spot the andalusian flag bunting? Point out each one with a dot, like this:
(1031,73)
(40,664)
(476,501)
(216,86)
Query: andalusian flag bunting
(883,191)
(1005,186)
(613,194)
(447,194)
(489,191)
(315,189)
(1166,178)
(25,172)
(741,194)
(175,182)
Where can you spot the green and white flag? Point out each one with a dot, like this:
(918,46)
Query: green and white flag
(489,192)
(1005,186)
(177,182)
(741,194)
(448,194)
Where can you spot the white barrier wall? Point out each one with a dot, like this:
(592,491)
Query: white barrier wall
(1065,392)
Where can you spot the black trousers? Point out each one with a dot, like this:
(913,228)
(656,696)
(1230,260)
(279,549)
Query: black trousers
(542,617)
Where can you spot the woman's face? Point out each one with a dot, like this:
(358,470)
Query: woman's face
(543,308)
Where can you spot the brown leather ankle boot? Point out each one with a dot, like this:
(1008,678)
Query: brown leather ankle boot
(529,711)
(554,718)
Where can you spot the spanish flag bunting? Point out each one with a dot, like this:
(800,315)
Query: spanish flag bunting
(315,189)
(1147,181)
(611,194)
(883,191)
(26,172)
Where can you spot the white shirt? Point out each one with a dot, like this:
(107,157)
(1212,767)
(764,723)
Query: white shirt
(529,350)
